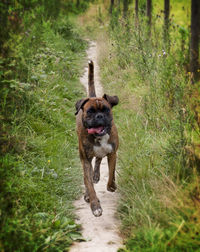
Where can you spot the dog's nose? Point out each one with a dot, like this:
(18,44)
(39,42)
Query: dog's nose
(99,116)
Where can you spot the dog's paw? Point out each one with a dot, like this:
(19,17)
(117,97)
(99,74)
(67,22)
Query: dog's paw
(97,212)
(111,187)
(87,198)
(96,177)
(96,209)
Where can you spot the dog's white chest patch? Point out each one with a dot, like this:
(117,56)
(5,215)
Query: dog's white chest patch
(104,148)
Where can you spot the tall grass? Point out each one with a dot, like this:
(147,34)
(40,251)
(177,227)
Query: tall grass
(39,171)
(157,180)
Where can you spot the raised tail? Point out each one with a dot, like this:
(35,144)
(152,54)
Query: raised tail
(91,88)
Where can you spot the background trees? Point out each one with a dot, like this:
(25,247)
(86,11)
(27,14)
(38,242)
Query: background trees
(13,12)
(190,34)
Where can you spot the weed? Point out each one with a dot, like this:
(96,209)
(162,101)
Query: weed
(39,174)
(153,118)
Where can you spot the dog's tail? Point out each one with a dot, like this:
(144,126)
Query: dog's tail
(91,88)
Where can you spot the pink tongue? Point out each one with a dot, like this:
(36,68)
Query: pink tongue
(95,130)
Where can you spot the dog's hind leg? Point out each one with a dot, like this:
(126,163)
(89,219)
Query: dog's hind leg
(111,186)
(96,175)
(86,196)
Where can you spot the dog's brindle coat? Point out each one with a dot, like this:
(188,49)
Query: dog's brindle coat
(97,135)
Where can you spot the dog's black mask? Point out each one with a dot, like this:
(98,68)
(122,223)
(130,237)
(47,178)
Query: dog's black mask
(97,116)
(98,121)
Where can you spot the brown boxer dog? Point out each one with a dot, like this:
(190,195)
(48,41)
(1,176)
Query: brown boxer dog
(97,136)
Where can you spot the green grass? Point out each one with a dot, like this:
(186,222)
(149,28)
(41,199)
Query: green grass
(157,177)
(40,170)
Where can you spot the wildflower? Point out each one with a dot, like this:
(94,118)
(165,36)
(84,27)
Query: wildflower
(49,161)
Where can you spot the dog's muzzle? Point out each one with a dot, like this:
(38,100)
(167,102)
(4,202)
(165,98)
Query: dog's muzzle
(98,125)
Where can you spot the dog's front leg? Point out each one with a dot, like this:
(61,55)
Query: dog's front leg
(90,192)
(111,186)
(96,175)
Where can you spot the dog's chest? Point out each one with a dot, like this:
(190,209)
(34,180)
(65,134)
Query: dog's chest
(103,148)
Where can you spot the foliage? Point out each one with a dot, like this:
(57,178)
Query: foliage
(157,178)
(17,15)
(39,170)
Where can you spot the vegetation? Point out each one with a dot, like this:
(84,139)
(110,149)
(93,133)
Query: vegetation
(41,52)
(41,55)
(158,176)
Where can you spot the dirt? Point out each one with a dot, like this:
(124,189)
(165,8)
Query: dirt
(101,233)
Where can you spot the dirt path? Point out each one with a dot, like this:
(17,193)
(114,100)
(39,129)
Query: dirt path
(101,232)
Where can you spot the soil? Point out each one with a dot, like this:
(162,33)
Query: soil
(101,233)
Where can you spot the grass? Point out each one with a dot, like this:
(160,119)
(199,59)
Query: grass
(39,172)
(157,176)
(153,170)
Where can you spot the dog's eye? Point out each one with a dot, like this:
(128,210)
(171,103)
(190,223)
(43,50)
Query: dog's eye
(105,110)
(91,111)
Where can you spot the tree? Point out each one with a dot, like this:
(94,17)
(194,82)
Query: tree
(125,8)
(77,3)
(166,18)
(148,13)
(136,13)
(111,6)
(194,42)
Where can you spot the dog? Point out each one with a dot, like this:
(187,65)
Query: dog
(97,137)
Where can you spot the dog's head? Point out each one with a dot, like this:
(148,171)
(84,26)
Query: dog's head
(97,113)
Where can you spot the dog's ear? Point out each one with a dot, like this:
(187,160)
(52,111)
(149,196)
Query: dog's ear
(79,104)
(112,100)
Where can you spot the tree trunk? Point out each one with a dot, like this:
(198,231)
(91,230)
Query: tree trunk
(166,24)
(136,13)
(148,13)
(125,9)
(194,42)
(111,6)
(77,3)
(166,18)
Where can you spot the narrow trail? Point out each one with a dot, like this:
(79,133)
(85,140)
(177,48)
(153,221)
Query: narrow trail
(101,233)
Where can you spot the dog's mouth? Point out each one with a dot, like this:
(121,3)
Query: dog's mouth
(97,131)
